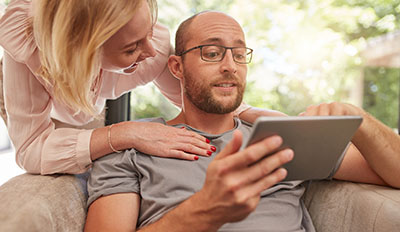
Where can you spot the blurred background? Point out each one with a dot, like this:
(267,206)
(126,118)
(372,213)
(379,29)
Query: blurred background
(305,52)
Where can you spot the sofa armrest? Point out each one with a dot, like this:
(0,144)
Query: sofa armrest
(42,203)
(340,206)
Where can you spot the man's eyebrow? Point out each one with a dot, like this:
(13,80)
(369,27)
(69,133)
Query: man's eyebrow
(218,40)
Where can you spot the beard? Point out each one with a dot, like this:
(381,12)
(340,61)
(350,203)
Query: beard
(200,94)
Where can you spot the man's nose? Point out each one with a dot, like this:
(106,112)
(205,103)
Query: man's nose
(227,63)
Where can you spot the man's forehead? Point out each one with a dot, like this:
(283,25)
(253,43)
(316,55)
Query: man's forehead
(215,27)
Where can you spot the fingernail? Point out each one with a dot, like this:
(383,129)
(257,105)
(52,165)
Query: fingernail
(213,149)
(276,140)
(289,154)
(207,140)
(209,153)
(183,127)
(196,158)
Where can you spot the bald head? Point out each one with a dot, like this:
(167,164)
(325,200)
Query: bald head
(203,21)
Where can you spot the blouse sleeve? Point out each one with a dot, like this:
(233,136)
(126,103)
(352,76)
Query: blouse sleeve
(40,148)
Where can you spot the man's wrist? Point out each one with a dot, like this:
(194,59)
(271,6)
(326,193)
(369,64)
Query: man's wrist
(190,215)
(197,215)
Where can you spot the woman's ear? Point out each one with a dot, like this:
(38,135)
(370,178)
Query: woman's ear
(175,66)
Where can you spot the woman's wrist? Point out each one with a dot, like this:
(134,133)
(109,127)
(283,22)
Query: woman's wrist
(110,140)
(243,107)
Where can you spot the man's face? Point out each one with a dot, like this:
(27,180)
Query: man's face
(214,87)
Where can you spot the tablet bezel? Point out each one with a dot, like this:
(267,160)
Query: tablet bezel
(317,153)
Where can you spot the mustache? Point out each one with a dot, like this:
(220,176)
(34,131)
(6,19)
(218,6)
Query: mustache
(228,77)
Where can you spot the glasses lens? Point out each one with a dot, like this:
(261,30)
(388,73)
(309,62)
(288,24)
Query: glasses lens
(212,53)
(242,55)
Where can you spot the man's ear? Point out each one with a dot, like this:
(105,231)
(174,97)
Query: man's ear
(175,66)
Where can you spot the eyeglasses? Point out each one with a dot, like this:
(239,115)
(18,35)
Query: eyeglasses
(216,53)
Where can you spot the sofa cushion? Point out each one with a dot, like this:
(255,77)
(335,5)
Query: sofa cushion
(42,203)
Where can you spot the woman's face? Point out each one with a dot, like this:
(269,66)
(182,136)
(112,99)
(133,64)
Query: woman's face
(123,52)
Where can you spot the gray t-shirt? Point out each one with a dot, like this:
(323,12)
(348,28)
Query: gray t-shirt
(163,183)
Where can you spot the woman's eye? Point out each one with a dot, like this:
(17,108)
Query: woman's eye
(130,52)
(132,49)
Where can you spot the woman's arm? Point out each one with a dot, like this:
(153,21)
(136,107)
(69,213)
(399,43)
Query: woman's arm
(250,114)
(150,138)
(39,147)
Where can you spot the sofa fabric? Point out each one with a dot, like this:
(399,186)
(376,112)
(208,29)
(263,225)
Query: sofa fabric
(42,203)
(58,203)
(339,206)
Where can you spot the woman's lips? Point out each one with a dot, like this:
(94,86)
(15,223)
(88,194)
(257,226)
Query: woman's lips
(132,68)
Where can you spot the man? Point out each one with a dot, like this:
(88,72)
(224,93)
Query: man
(233,190)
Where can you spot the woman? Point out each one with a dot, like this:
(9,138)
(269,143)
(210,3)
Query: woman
(63,59)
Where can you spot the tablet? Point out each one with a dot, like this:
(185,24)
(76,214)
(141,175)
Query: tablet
(319,142)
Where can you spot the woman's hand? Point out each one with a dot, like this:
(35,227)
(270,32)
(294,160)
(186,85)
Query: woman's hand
(166,141)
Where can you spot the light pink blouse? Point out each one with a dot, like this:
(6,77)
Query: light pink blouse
(40,148)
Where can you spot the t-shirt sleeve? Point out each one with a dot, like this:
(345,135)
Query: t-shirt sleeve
(111,174)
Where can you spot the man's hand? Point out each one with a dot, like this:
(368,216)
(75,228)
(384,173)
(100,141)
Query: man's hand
(334,108)
(340,109)
(236,178)
(376,154)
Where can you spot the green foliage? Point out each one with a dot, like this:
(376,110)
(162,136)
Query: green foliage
(306,52)
(148,102)
(381,86)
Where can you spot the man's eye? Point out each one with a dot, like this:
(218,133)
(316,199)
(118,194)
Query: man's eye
(212,54)
(239,56)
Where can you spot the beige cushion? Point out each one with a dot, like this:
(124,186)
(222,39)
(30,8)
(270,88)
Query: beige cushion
(339,206)
(42,203)
(57,203)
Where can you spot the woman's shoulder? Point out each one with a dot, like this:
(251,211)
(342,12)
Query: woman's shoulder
(16,35)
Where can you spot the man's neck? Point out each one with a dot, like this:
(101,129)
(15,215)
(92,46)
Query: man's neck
(206,122)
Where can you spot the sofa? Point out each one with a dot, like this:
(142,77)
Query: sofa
(58,202)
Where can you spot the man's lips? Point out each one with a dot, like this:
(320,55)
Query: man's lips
(225,86)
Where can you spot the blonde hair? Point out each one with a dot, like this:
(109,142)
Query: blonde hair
(70,34)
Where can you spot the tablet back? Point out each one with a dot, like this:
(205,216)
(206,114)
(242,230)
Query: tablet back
(318,142)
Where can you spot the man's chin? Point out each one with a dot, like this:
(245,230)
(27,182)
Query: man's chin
(223,106)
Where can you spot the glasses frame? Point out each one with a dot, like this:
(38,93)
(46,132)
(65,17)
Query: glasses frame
(223,54)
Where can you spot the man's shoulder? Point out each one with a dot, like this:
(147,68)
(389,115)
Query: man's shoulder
(155,119)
